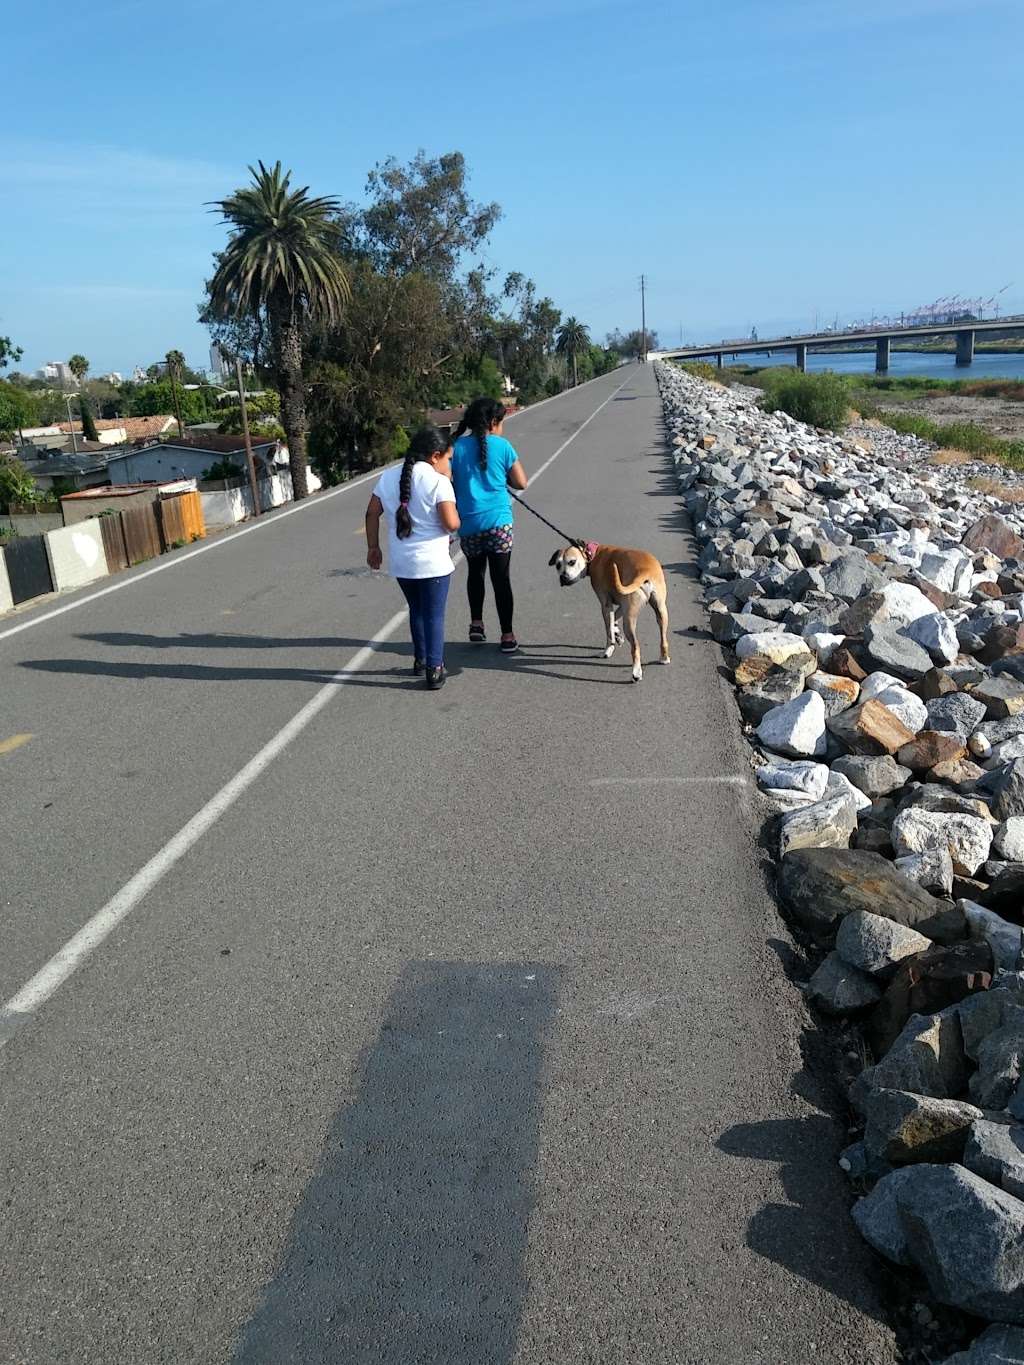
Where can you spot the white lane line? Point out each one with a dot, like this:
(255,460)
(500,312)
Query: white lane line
(231,537)
(733,780)
(66,960)
(531,481)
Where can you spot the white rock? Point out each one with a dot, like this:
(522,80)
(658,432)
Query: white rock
(1009,839)
(824,644)
(905,603)
(810,779)
(910,709)
(967,837)
(875,944)
(775,645)
(935,633)
(949,570)
(877,682)
(1005,939)
(980,745)
(825,824)
(797,728)
(840,785)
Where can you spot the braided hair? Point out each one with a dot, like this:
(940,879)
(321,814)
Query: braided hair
(428,441)
(479,417)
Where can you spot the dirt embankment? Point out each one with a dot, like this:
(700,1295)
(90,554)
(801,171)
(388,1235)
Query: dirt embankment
(999,416)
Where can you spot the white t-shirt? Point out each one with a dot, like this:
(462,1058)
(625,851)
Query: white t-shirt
(423,554)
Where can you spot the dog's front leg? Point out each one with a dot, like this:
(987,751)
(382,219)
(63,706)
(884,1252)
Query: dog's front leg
(611,630)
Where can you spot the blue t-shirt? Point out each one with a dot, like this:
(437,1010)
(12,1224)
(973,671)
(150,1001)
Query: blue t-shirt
(482,494)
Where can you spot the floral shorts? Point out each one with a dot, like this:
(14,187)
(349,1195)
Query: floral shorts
(496,541)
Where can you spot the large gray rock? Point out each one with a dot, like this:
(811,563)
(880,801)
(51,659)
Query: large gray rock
(851,575)
(903,1127)
(1000,1057)
(935,633)
(874,774)
(958,712)
(890,649)
(875,945)
(966,1236)
(997,1345)
(1002,697)
(1007,790)
(838,693)
(838,988)
(818,886)
(1002,937)
(1009,839)
(828,823)
(927,1058)
(796,729)
(995,1151)
(932,869)
(982,1014)
(802,776)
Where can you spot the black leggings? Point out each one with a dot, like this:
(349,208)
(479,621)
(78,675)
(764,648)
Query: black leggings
(499,566)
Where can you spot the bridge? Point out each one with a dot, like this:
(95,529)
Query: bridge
(963,330)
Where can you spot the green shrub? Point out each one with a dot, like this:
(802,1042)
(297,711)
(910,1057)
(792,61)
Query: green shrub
(702,369)
(820,400)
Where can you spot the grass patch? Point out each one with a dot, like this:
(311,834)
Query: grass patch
(950,457)
(702,369)
(983,483)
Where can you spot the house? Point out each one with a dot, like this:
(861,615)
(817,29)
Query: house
(191,456)
(114,431)
(93,502)
(84,470)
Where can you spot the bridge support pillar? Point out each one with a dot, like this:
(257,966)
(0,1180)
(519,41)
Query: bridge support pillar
(882,354)
(801,357)
(964,348)
(718,357)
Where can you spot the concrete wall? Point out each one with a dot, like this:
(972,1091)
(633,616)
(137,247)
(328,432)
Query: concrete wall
(6,600)
(77,510)
(76,555)
(223,505)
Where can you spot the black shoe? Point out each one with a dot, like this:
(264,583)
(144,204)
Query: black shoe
(509,646)
(477,635)
(436,677)
(417,667)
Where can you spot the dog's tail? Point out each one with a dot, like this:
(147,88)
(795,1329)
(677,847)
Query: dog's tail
(625,590)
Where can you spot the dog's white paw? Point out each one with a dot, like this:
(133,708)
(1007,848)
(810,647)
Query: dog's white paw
(666,660)
(638,673)
(609,651)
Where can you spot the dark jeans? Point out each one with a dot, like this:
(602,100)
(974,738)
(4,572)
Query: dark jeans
(499,566)
(427,598)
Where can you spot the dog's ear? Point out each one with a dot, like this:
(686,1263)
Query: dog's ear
(554,559)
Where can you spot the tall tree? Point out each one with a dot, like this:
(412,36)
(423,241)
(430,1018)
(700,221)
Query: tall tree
(175,369)
(79,366)
(573,339)
(281,262)
(88,421)
(8,352)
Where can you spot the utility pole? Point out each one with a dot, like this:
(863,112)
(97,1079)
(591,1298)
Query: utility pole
(643,319)
(71,424)
(248,439)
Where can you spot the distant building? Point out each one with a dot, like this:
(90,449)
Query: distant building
(114,377)
(57,371)
(221,366)
(190,457)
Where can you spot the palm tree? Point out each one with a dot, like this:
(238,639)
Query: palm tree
(79,366)
(175,367)
(573,338)
(281,260)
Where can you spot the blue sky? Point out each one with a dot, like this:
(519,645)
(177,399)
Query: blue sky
(759,160)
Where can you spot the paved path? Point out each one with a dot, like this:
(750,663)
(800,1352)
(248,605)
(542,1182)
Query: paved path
(453,1034)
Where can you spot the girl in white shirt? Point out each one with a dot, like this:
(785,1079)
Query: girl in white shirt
(419,503)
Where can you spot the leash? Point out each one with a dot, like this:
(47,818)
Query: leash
(583,545)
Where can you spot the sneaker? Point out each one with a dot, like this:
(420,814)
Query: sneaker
(477,635)
(509,645)
(435,678)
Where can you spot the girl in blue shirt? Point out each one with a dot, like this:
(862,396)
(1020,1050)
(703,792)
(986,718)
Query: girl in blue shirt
(484,467)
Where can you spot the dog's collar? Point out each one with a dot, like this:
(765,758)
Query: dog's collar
(589,548)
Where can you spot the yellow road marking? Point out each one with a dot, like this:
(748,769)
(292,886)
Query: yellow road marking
(7,746)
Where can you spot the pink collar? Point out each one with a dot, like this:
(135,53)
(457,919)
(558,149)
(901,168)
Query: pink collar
(590,549)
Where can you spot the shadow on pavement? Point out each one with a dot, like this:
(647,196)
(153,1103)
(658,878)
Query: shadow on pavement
(410,1241)
(803,1235)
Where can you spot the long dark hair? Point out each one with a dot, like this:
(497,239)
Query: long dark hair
(427,441)
(479,417)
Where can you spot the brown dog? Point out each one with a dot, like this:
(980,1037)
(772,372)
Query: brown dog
(623,580)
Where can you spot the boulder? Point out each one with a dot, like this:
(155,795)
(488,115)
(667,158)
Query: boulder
(843,660)
(1008,841)
(875,775)
(775,689)
(828,823)
(877,945)
(929,748)
(851,575)
(927,983)
(838,693)
(1001,696)
(1000,1056)
(967,837)
(926,1057)
(1002,937)
(932,869)
(870,729)
(774,646)
(1005,896)
(907,707)
(806,778)
(936,635)
(818,886)
(797,728)
(838,988)
(1007,790)
(902,1127)
(995,1151)
(993,532)
(887,646)
(960,713)
(997,1345)
(986,1013)
(918,1216)
(936,683)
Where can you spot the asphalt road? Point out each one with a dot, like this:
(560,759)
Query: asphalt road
(453,1033)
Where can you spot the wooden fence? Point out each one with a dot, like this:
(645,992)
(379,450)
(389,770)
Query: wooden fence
(181,519)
